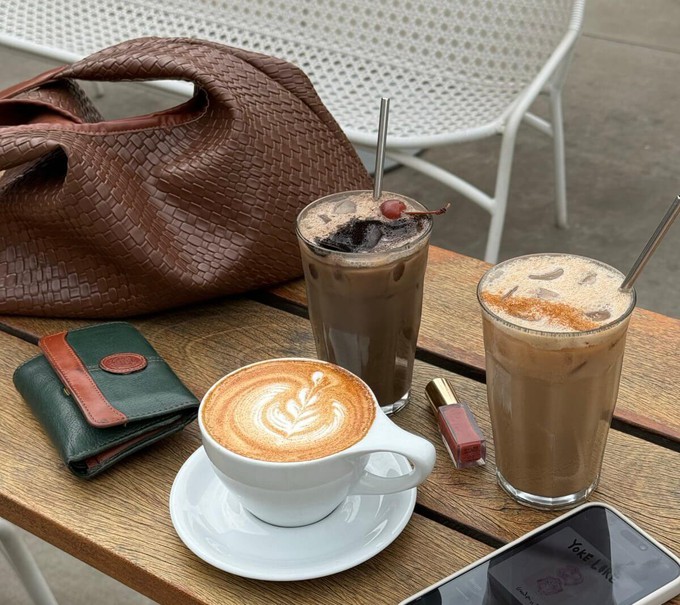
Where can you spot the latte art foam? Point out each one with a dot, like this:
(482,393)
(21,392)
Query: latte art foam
(289,411)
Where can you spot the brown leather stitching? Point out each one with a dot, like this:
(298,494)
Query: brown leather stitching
(66,363)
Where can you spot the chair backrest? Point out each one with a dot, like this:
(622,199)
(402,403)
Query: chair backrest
(500,41)
(503,42)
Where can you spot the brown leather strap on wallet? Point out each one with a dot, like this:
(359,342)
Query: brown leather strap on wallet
(65,362)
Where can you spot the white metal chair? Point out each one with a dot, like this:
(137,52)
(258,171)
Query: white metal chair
(456,70)
(25,566)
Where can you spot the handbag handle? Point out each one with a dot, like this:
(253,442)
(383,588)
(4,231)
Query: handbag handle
(135,60)
(199,61)
(154,59)
(140,59)
(203,63)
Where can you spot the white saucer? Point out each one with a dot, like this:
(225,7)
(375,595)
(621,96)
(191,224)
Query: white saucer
(212,523)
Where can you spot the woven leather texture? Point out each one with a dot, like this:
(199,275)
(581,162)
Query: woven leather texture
(111,219)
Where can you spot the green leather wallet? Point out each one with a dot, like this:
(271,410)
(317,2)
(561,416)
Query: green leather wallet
(101,393)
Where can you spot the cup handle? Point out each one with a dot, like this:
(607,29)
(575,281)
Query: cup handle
(391,438)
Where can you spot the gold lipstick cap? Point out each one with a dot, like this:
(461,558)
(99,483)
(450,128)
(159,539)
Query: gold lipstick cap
(439,393)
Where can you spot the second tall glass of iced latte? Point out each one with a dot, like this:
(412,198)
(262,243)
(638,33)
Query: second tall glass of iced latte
(554,334)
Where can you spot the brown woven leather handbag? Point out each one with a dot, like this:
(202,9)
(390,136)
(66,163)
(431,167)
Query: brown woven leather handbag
(115,218)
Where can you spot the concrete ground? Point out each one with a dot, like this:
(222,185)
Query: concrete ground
(622,133)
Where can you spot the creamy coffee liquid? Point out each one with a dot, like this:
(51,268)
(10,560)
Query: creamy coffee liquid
(289,411)
(365,306)
(554,334)
(555,293)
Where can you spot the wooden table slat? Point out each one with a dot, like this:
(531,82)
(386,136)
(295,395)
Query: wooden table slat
(639,477)
(120,522)
(452,329)
(107,522)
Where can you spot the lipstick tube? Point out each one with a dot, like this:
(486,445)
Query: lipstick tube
(462,437)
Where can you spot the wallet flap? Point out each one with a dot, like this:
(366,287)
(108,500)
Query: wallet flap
(77,379)
(101,393)
(114,376)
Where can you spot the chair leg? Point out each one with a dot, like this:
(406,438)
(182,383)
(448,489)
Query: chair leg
(495,206)
(25,566)
(560,172)
(493,243)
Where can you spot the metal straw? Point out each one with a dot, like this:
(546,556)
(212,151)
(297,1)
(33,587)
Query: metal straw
(652,244)
(380,151)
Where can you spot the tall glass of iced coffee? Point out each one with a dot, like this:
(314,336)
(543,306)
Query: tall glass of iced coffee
(364,274)
(554,334)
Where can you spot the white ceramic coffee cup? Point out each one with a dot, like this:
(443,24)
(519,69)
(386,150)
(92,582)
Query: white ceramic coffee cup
(292,494)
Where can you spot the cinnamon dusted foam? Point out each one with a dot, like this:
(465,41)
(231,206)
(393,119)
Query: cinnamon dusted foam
(555,293)
(532,309)
(289,410)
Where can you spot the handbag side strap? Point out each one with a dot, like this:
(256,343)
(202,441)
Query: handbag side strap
(15,112)
(21,144)
(48,76)
(33,123)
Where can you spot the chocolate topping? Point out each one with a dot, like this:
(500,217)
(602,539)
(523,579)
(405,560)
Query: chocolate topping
(363,235)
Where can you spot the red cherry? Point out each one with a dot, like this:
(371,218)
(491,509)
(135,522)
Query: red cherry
(392,208)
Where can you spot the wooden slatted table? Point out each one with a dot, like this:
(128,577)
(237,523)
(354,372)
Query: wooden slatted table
(120,522)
